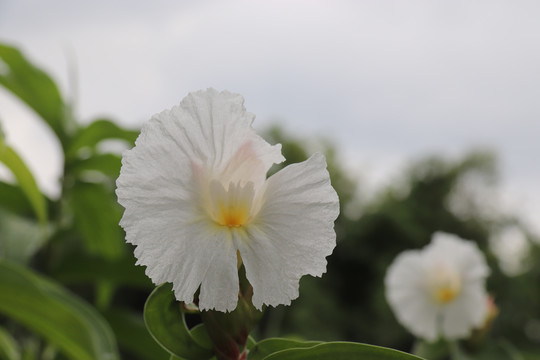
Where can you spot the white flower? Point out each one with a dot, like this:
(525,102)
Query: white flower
(196,197)
(439,290)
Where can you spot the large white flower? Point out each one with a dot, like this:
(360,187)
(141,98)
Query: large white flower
(196,198)
(439,290)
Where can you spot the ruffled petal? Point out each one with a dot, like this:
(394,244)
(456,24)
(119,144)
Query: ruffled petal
(216,130)
(189,256)
(292,233)
(219,288)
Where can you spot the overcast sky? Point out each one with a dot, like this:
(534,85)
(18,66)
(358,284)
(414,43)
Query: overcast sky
(389,81)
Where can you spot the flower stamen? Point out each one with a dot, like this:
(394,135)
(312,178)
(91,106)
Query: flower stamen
(444,284)
(232,207)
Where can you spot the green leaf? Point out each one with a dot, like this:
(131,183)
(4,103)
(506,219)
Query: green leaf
(9,349)
(25,179)
(269,346)
(341,351)
(164,318)
(98,131)
(201,337)
(54,313)
(107,164)
(96,216)
(133,337)
(20,237)
(13,199)
(34,87)
(77,268)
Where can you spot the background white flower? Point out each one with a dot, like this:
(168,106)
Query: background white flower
(439,290)
(195,194)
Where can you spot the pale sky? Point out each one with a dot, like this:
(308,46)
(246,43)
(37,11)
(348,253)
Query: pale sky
(388,81)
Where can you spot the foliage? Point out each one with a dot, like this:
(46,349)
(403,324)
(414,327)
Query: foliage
(67,277)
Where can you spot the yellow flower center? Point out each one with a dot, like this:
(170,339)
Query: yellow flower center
(446,294)
(232,215)
(231,207)
(444,284)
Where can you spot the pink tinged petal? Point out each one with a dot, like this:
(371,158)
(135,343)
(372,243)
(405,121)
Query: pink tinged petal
(245,166)
(218,129)
(292,233)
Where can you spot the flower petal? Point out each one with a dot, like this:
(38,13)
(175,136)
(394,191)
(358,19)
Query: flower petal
(218,132)
(189,256)
(466,313)
(407,297)
(465,254)
(292,233)
(220,286)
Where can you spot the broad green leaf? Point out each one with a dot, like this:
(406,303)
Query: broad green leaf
(250,343)
(98,131)
(96,217)
(20,237)
(25,179)
(164,318)
(55,314)
(341,351)
(269,346)
(133,337)
(9,349)
(34,87)
(201,337)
